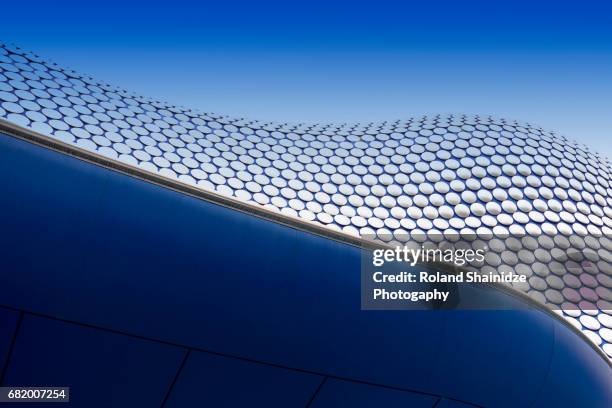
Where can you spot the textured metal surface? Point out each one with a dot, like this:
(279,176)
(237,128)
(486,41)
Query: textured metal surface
(511,184)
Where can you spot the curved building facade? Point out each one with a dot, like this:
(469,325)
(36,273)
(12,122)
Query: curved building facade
(539,202)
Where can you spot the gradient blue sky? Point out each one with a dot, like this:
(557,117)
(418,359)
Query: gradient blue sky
(549,63)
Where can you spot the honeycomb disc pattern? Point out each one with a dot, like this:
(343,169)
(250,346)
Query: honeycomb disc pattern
(505,181)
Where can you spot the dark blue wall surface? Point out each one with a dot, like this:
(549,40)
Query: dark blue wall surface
(338,393)
(8,324)
(238,383)
(62,354)
(89,246)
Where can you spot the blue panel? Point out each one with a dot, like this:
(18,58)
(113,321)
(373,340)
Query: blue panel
(212,381)
(523,333)
(103,369)
(337,393)
(446,403)
(8,323)
(120,253)
(576,378)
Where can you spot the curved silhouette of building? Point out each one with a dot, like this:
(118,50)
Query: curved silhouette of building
(195,252)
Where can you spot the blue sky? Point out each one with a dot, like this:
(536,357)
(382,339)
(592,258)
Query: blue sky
(548,63)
